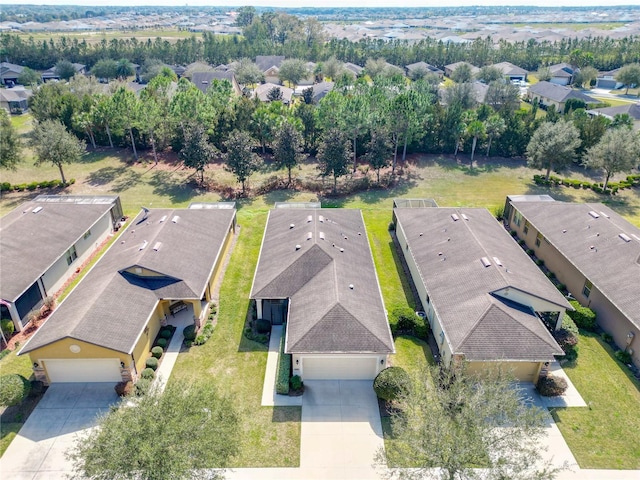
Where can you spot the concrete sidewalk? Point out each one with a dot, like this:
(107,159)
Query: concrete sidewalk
(269,396)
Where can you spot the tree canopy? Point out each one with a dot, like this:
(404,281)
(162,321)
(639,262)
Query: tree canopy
(617,151)
(52,143)
(10,144)
(333,155)
(240,159)
(553,146)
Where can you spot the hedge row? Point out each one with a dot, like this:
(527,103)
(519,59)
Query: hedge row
(583,317)
(567,338)
(21,187)
(612,187)
(284,370)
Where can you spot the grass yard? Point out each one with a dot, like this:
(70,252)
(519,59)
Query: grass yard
(607,434)
(613,102)
(8,365)
(94,37)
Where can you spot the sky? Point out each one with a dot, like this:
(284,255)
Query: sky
(330,3)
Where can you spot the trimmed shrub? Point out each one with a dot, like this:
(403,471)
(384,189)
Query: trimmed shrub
(284,370)
(207,331)
(162,343)
(189,332)
(521,242)
(166,333)
(14,389)
(513,233)
(37,388)
(5,187)
(263,326)
(583,317)
(148,373)
(7,326)
(142,386)
(152,362)
(157,352)
(405,320)
(32,186)
(567,338)
(124,389)
(391,383)
(539,262)
(551,386)
(296,383)
(391,227)
(623,357)
(4,353)
(530,252)
(607,337)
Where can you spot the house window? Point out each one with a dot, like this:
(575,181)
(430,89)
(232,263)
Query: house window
(539,238)
(517,218)
(428,300)
(586,290)
(441,337)
(87,234)
(71,255)
(525,230)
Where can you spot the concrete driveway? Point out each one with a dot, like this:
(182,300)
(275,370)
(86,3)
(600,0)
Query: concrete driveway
(65,410)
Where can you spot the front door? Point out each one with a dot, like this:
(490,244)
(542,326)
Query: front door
(275,311)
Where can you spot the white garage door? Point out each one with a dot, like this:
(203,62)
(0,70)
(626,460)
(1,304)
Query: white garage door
(83,370)
(339,368)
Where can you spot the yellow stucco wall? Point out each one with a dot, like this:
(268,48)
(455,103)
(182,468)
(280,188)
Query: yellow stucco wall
(60,349)
(217,269)
(143,347)
(523,371)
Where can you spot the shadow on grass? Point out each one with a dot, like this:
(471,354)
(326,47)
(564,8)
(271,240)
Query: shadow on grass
(286,414)
(246,345)
(105,175)
(166,185)
(278,196)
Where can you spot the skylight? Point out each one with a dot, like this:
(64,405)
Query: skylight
(497,261)
(455,217)
(36,210)
(594,214)
(625,237)
(485,261)
(175,219)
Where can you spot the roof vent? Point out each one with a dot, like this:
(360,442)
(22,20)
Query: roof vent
(309,218)
(351,286)
(497,260)
(298,247)
(157,246)
(455,217)
(321,235)
(36,210)
(342,249)
(144,245)
(175,219)
(465,217)
(163,218)
(594,214)
(320,218)
(564,230)
(485,261)
(420,234)
(291,225)
(309,235)
(625,237)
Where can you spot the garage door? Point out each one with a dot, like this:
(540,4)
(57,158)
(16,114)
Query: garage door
(339,368)
(83,370)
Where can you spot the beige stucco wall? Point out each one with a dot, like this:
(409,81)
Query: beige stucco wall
(546,101)
(143,347)
(217,269)
(523,371)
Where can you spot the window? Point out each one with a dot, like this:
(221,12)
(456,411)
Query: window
(71,255)
(87,234)
(526,227)
(441,337)
(586,290)
(517,217)
(539,238)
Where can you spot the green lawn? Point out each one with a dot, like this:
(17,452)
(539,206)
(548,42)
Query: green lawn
(8,365)
(607,434)
(613,102)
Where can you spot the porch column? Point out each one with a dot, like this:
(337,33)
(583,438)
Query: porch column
(258,308)
(559,319)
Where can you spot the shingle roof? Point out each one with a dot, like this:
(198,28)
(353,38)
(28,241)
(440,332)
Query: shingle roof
(326,315)
(30,243)
(112,304)
(631,109)
(265,62)
(594,247)
(561,70)
(508,68)
(453,66)
(320,90)
(262,92)
(204,80)
(425,66)
(558,93)
(448,254)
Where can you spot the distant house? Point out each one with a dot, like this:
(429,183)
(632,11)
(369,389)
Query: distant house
(483,297)
(593,251)
(353,68)
(320,90)
(15,100)
(51,74)
(511,71)
(262,92)
(562,73)
(547,94)
(316,274)
(163,270)
(44,241)
(631,109)
(449,69)
(478,92)
(203,80)
(423,66)
(269,65)
(608,80)
(9,73)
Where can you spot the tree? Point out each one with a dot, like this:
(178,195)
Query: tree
(10,144)
(197,152)
(125,108)
(585,76)
(333,155)
(622,120)
(105,68)
(29,77)
(293,70)
(240,159)
(462,74)
(450,424)
(489,74)
(629,75)
(617,151)
(378,152)
(124,69)
(287,148)
(544,74)
(553,146)
(151,68)
(177,434)
(274,94)
(65,69)
(503,97)
(332,68)
(264,121)
(475,130)
(494,127)
(245,16)
(247,72)
(52,143)
(461,94)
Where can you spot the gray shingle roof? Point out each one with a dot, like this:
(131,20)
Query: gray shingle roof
(326,315)
(559,93)
(265,62)
(448,254)
(631,109)
(508,68)
(611,265)
(30,243)
(204,80)
(112,304)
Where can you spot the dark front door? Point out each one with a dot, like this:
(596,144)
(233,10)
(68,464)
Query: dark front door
(275,311)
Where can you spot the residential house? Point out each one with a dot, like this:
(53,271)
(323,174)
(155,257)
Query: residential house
(321,90)
(165,264)
(269,65)
(262,92)
(316,274)
(483,297)
(608,80)
(511,72)
(203,80)
(631,109)
(593,251)
(51,74)
(449,69)
(9,73)
(15,100)
(356,70)
(547,94)
(423,67)
(562,73)
(42,244)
